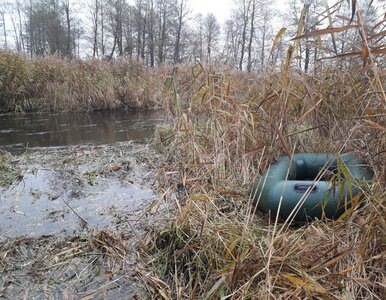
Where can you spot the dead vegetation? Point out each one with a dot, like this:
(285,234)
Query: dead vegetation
(225,129)
(75,245)
(54,84)
(92,264)
(228,128)
(9,173)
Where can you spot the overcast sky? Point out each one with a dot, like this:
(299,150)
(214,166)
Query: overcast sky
(220,8)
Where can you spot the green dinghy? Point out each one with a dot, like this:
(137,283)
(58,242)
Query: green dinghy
(296,189)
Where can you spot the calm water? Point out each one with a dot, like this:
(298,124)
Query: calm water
(51,130)
(52,179)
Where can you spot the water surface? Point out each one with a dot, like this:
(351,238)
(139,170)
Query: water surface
(82,164)
(53,129)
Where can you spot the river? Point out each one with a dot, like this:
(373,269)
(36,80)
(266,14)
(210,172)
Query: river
(77,193)
(95,166)
(96,128)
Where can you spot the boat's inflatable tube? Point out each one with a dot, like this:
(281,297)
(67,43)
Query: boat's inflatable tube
(291,189)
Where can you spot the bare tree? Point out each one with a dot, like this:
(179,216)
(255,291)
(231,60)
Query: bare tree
(151,31)
(66,7)
(182,12)
(20,21)
(264,26)
(95,10)
(253,7)
(3,8)
(50,27)
(211,34)
(244,15)
(139,21)
(128,28)
(163,6)
(232,43)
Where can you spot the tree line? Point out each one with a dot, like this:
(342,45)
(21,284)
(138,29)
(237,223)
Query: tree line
(159,32)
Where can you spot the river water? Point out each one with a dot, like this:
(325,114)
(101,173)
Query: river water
(97,128)
(66,181)
(96,166)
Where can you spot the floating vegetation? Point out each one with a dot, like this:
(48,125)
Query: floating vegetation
(88,265)
(9,172)
(64,238)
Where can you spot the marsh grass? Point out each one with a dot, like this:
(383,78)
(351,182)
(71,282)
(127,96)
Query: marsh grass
(54,84)
(228,128)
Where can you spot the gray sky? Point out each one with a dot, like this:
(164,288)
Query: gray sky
(220,8)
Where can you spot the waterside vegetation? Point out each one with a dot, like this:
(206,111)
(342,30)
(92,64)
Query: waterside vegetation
(225,129)
(228,128)
(55,84)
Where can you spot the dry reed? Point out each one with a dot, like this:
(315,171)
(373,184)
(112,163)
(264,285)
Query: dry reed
(228,128)
(54,84)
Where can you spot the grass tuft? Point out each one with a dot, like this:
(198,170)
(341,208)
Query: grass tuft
(9,173)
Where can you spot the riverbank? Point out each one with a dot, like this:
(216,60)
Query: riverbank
(225,129)
(56,85)
(227,132)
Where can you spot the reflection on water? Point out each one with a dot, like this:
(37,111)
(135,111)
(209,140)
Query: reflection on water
(102,127)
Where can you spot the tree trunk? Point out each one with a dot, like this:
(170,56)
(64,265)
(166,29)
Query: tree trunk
(307,59)
(139,29)
(67,12)
(17,39)
(143,39)
(244,34)
(151,34)
(162,37)
(119,27)
(113,49)
(262,56)
(251,36)
(177,47)
(95,29)
(2,13)
(21,35)
(103,32)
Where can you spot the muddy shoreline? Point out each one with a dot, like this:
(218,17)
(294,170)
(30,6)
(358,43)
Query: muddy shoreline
(71,220)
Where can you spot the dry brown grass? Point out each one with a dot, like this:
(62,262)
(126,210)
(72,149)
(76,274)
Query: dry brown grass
(54,84)
(228,127)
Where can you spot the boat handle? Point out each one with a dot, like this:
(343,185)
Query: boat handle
(302,188)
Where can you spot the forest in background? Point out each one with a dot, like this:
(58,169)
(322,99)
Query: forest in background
(159,32)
